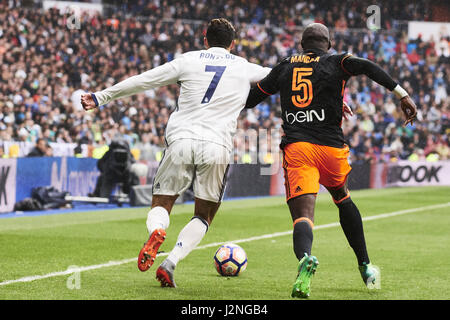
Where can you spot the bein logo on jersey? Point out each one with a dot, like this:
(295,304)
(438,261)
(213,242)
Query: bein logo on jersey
(305,116)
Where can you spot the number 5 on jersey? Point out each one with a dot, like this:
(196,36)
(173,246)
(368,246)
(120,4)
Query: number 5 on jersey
(302,86)
(214,82)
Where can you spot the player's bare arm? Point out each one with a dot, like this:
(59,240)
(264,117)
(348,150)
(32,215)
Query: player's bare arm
(356,66)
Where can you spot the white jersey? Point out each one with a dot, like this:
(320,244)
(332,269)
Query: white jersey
(214,89)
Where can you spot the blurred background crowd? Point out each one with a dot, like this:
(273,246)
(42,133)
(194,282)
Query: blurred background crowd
(46,66)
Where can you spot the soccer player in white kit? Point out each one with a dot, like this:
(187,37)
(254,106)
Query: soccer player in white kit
(214,88)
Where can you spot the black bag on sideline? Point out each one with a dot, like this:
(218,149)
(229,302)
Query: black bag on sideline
(49,197)
(27,204)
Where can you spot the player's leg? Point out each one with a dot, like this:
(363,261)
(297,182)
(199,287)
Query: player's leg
(157,223)
(335,180)
(194,231)
(188,239)
(302,213)
(206,210)
(334,172)
(173,176)
(209,183)
(302,185)
(158,216)
(351,223)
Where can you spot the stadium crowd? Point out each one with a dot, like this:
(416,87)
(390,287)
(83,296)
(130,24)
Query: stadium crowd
(46,66)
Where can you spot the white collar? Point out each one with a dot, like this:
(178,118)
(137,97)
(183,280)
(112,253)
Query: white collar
(218,49)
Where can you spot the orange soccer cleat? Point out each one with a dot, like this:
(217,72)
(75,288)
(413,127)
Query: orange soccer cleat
(148,252)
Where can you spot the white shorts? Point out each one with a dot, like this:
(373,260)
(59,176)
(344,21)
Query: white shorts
(187,161)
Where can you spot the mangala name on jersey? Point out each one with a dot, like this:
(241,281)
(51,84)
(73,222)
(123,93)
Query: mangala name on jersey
(304,59)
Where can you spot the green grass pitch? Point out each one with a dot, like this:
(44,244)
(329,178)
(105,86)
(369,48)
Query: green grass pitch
(411,249)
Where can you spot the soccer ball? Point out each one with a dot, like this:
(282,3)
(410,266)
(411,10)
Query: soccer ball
(230,260)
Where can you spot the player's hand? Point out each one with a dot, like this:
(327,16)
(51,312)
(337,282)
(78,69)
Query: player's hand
(409,110)
(87,102)
(346,110)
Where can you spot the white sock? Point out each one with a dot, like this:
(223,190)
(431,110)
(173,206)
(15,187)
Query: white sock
(189,237)
(158,217)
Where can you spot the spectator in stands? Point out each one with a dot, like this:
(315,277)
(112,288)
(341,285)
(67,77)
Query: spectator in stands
(45,66)
(40,149)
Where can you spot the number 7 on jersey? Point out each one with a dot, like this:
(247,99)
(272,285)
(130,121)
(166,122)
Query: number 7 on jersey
(214,82)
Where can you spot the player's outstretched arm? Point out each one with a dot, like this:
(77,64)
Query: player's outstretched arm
(356,66)
(265,87)
(255,96)
(162,75)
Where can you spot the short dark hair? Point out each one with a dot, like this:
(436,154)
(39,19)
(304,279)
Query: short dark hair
(220,33)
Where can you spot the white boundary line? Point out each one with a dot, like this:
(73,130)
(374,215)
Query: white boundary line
(215,244)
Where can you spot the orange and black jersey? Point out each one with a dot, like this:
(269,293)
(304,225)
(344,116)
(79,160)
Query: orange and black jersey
(311,86)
